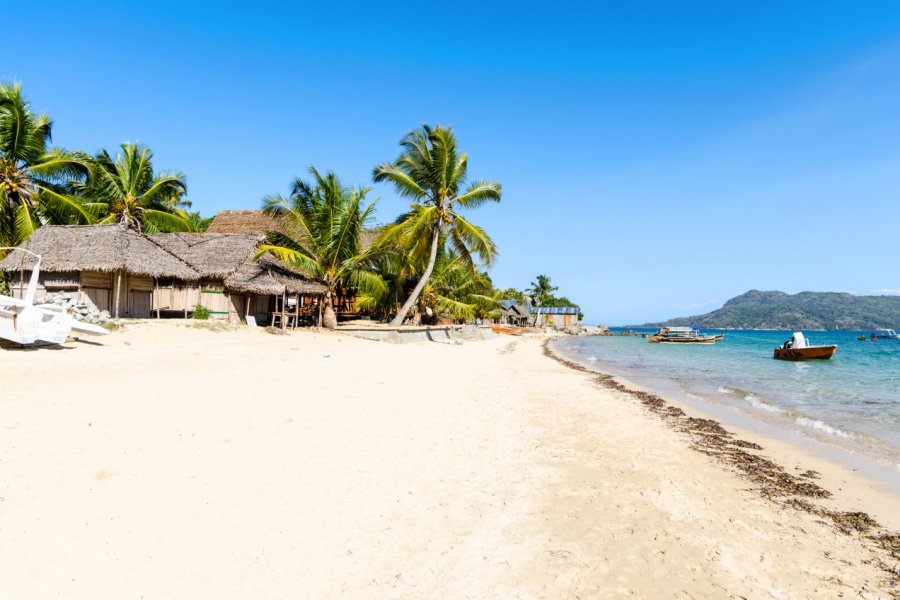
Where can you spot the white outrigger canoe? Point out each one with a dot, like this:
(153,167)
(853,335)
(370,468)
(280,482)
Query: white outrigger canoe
(24,322)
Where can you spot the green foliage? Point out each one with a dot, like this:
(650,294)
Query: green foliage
(201,313)
(541,290)
(4,287)
(34,178)
(125,189)
(431,172)
(806,310)
(322,225)
(198,224)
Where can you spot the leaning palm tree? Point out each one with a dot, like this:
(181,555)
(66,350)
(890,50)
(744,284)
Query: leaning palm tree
(33,176)
(124,189)
(430,171)
(321,229)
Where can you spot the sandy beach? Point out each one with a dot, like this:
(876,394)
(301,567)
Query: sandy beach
(174,462)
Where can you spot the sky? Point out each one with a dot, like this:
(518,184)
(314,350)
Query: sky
(657,158)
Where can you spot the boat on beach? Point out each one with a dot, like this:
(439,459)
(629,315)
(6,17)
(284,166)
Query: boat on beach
(798,348)
(509,330)
(683,335)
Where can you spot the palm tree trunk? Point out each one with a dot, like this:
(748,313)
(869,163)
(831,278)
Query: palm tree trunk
(329,318)
(398,319)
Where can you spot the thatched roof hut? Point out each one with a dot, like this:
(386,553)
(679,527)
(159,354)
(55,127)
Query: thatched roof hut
(183,256)
(103,248)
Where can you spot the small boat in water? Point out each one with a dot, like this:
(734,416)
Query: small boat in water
(880,334)
(798,348)
(885,334)
(683,335)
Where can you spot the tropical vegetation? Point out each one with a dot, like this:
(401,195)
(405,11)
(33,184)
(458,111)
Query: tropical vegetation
(34,176)
(430,264)
(432,173)
(125,189)
(321,227)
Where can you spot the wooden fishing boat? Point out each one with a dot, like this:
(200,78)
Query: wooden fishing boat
(798,348)
(508,330)
(682,335)
(808,353)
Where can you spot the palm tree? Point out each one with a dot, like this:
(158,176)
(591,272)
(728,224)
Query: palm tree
(322,223)
(125,190)
(541,288)
(430,171)
(33,176)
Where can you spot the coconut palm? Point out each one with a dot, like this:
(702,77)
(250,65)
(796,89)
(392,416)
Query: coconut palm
(541,288)
(431,172)
(34,176)
(125,190)
(322,223)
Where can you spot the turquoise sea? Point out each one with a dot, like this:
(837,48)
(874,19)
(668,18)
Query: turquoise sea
(848,407)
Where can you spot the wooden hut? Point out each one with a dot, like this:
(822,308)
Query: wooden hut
(107,267)
(137,275)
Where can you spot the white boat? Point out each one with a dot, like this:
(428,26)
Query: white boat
(24,322)
(885,334)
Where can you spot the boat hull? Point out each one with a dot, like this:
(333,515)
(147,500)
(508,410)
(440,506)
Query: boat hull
(808,353)
(508,330)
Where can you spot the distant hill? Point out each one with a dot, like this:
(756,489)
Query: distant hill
(806,310)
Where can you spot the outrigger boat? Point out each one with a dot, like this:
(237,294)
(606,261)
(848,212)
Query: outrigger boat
(508,330)
(25,323)
(683,335)
(798,348)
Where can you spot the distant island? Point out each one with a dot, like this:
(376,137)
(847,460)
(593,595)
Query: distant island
(806,310)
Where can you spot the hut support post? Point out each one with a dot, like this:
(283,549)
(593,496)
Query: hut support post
(118,290)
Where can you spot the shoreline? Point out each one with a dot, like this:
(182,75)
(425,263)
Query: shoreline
(738,451)
(236,463)
(864,446)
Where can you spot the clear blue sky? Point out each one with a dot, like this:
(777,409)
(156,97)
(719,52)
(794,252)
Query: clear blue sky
(657,158)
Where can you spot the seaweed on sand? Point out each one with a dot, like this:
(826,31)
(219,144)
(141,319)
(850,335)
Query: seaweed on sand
(770,479)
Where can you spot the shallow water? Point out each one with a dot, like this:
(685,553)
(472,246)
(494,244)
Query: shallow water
(851,402)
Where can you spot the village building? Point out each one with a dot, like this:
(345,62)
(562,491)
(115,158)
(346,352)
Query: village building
(514,312)
(554,316)
(135,275)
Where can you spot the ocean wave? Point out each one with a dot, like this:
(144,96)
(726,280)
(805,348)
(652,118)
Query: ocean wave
(820,426)
(757,403)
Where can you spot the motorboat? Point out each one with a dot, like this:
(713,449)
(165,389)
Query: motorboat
(799,348)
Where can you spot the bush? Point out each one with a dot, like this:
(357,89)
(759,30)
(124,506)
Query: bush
(4,289)
(201,312)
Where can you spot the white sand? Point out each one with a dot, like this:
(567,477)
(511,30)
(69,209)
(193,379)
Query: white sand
(172,463)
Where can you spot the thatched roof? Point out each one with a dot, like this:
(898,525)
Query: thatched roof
(97,248)
(256,221)
(213,255)
(243,221)
(185,256)
(268,276)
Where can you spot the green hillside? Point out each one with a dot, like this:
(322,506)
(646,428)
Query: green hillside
(806,310)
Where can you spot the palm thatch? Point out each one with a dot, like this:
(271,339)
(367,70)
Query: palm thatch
(105,248)
(243,221)
(268,276)
(258,222)
(183,256)
(212,255)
